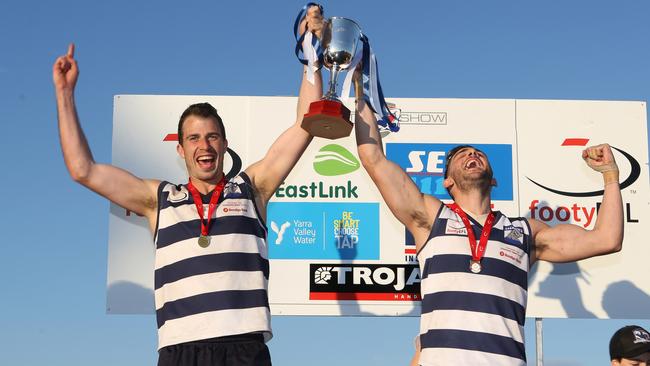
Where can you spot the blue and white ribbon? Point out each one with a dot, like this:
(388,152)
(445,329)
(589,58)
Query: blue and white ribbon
(347,83)
(308,47)
(372,92)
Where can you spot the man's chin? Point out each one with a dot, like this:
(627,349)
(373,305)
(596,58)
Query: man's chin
(482,183)
(206,175)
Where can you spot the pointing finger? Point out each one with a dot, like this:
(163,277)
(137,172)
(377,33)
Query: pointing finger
(71,50)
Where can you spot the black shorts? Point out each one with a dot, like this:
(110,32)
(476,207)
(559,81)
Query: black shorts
(238,350)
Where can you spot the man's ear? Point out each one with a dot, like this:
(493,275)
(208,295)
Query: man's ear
(448,182)
(494,182)
(180,151)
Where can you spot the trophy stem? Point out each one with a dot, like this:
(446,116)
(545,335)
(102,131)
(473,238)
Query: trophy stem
(331,93)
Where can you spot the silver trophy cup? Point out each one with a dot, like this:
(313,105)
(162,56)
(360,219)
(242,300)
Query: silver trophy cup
(340,39)
(328,117)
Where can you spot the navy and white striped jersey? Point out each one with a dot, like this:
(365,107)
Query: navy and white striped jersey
(216,291)
(469,318)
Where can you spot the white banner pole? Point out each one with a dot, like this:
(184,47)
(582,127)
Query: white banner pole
(539,346)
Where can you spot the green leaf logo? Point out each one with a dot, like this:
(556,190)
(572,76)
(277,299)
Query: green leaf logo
(335,160)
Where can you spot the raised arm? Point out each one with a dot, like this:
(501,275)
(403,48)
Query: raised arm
(565,243)
(410,206)
(268,173)
(118,185)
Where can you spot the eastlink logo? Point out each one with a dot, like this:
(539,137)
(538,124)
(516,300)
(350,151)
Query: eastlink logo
(364,282)
(317,190)
(331,160)
(425,163)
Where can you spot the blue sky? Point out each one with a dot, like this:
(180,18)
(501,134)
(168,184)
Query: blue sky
(54,240)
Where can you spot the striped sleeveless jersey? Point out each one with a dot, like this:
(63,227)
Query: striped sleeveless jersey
(220,290)
(468,318)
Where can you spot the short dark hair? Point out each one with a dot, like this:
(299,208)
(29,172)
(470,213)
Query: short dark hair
(204,110)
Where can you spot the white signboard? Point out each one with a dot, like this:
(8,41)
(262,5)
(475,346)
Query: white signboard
(335,248)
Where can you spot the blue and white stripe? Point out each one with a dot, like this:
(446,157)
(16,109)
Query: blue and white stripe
(216,291)
(468,318)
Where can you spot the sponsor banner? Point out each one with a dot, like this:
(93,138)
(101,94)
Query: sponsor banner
(302,230)
(557,187)
(425,164)
(372,282)
(534,147)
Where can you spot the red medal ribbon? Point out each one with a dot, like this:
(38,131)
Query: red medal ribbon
(478,251)
(205,226)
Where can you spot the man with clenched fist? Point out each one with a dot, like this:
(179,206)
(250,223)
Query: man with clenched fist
(474,262)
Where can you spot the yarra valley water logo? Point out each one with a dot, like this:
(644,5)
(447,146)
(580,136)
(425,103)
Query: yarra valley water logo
(334,160)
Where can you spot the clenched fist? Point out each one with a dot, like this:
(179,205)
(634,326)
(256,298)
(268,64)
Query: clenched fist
(600,158)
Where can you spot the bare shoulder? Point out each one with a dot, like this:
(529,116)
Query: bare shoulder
(152,186)
(150,201)
(260,196)
(252,172)
(537,242)
(536,227)
(433,205)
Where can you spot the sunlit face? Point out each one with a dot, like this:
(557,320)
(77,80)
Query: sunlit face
(203,148)
(469,168)
(641,360)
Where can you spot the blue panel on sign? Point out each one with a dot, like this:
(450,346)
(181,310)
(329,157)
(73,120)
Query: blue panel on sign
(425,163)
(305,230)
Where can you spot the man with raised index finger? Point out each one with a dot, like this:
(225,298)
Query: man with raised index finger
(211,266)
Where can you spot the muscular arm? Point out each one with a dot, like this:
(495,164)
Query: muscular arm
(268,173)
(410,206)
(565,243)
(118,185)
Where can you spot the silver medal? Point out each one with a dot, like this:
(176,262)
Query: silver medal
(475,266)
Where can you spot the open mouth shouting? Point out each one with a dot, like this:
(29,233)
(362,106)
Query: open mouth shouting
(472,163)
(206,161)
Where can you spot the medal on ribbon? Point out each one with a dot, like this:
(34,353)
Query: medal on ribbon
(204,238)
(477,249)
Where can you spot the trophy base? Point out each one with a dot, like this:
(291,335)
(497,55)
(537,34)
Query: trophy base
(329,119)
